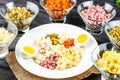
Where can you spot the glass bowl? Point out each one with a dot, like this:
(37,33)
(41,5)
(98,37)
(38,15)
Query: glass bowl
(21,13)
(105,60)
(8,32)
(95,14)
(114,35)
(56,10)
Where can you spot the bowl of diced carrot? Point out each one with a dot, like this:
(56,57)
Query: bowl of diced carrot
(57,9)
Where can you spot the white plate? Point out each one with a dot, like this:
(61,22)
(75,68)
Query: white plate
(32,35)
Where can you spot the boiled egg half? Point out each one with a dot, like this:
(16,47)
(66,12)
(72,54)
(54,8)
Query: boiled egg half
(82,39)
(28,51)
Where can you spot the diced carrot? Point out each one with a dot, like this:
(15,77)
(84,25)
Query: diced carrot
(65,4)
(68,43)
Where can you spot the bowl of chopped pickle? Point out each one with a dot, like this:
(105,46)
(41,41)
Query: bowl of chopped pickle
(21,13)
(112,30)
(8,32)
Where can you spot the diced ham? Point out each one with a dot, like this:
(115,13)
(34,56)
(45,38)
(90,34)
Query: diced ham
(94,13)
(50,62)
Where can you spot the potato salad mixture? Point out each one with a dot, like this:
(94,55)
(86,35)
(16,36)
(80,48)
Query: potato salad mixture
(57,51)
(5,35)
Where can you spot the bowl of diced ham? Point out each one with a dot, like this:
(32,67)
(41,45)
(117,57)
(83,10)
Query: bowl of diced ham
(95,14)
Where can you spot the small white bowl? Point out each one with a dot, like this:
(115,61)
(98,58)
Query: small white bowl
(82,39)
(28,51)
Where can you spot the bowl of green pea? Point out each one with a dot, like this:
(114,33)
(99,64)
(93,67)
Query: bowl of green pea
(112,29)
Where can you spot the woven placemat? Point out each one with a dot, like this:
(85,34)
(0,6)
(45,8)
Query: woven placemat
(22,74)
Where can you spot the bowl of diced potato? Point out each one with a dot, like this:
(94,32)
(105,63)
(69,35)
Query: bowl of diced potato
(8,32)
(107,60)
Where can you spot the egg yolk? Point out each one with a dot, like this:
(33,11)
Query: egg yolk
(29,49)
(82,38)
